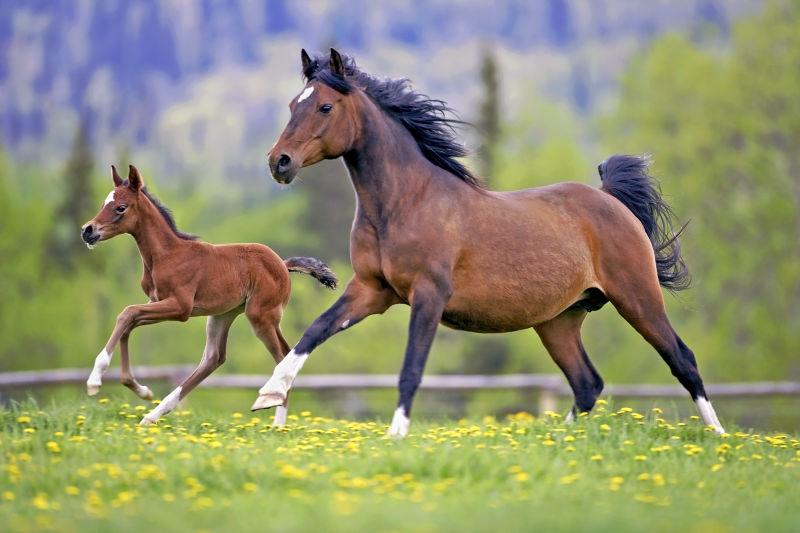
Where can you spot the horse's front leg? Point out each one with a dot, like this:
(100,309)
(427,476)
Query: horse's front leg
(132,316)
(359,300)
(427,305)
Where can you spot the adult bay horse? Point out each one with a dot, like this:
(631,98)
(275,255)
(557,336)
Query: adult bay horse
(428,235)
(185,277)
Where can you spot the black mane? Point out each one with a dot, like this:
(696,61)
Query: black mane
(167,215)
(428,120)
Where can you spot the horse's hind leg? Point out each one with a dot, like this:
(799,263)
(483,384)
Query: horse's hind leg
(126,376)
(266,326)
(562,338)
(642,305)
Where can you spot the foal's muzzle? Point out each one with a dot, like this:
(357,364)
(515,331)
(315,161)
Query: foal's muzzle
(282,167)
(90,235)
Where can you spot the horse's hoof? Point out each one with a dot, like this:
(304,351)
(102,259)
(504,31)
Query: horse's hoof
(147,421)
(92,390)
(265,401)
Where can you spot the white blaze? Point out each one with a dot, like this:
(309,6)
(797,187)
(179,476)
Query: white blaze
(305,94)
(109,198)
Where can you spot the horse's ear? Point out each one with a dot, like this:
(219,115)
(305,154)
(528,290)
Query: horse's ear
(305,59)
(115,176)
(134,179)
(336,65)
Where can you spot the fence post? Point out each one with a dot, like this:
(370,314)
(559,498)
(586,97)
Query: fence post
(547,400)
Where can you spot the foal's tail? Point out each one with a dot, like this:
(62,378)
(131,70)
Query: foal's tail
(314,268)
(625,178)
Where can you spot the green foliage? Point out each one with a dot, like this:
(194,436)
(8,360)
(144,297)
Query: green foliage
(724,126)
(87,466)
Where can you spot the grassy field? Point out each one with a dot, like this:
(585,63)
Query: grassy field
(87,466)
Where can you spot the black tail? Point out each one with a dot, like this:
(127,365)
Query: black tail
(625,178)
(314,268)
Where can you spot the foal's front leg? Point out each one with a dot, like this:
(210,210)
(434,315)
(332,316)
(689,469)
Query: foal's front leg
(132,316)
(126,376)
(427,305)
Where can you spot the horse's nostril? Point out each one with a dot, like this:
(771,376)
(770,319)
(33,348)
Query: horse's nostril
(87,230)
(284,160)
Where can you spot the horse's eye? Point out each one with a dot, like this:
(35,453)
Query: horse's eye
(325,108)
(121,209)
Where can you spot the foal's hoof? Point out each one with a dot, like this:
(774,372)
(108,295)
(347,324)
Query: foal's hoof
(265,401)
(144,393)
(147,421)
(92,390)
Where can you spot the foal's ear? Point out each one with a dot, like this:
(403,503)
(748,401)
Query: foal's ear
(115,176)
(305,59)
(336,65)
(134,179)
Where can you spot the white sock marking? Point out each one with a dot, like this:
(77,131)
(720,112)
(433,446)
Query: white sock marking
(305,94)
(167,404)
(708,414)
(400,423)
(570,416)
(280,416)
(101,363)
(282,378)
(109,198)
(345,324)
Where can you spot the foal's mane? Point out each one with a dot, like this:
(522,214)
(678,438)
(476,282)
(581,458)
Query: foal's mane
(166,214)
(430,121)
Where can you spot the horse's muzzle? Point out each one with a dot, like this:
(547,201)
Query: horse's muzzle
(283,168)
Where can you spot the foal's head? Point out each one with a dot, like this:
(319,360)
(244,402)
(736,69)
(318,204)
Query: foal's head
(120,212)
(322,124)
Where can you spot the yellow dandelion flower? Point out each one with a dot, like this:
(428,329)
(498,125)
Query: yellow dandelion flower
(53,447)
(41,502)
(640,458)
(72,490)
(596,457)
(8,496)
(24,419)
(605,427)
(522,476)
(717,467)
(250,487)
(568,480)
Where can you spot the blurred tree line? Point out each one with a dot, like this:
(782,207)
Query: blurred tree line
(724,128)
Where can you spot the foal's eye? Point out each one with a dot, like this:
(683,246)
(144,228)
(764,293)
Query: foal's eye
(121,208)
(325,108)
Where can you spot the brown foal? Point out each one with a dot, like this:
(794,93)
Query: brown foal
(428,235)
(185,277)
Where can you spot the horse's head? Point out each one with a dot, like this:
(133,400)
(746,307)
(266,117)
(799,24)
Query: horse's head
(322,123)
(120,212)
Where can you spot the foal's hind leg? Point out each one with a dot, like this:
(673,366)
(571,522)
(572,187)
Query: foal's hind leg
(562,338)
(642,305)
(217,329)
(266,326)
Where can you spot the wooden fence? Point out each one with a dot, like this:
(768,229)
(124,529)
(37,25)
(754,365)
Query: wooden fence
(548,387)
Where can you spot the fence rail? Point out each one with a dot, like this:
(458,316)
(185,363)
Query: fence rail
(549,387)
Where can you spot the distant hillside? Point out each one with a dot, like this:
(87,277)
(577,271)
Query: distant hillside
(193,82)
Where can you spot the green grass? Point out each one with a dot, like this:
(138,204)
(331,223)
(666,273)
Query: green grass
(86,466)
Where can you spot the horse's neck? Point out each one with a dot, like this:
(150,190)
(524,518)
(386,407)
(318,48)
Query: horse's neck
(153,236)
(385,163)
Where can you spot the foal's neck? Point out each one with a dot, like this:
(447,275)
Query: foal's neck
(153,235)
(385,164)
